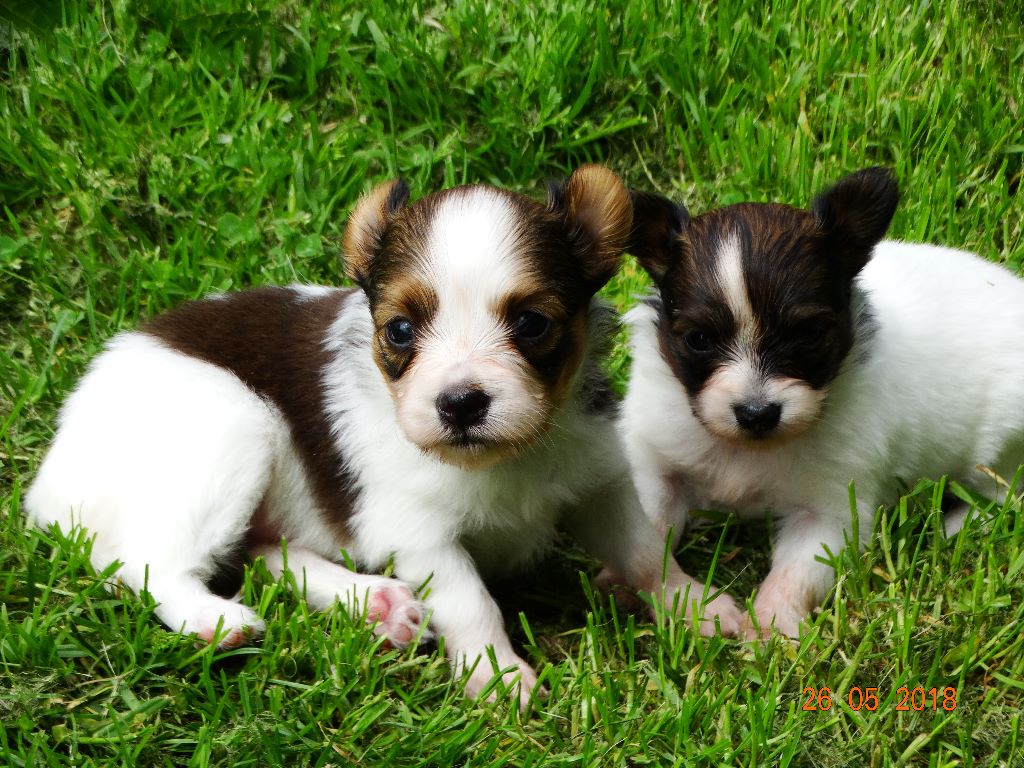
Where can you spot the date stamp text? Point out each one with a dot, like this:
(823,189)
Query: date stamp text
(907,699)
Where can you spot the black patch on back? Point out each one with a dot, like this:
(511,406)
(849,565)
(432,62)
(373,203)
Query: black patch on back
(273,340)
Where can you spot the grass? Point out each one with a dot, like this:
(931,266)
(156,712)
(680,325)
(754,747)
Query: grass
(154,152)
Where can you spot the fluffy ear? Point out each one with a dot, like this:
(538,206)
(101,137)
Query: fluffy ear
(658,224)
(367,225)
(595,206)
(855,213)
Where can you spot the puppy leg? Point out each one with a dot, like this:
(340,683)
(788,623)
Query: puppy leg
(163,458)
(185,604)
(465,614)
(611,526)
(662,500)
(798,581)
(389,604)
(993,479)
(171,546)
(665,507)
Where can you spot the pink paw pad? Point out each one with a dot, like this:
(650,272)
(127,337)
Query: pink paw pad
(237,624)
(397,613)
(613,583)
(235,637)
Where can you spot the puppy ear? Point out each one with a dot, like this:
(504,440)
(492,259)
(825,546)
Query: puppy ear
(595,206)
(658,223)
(367,225)
(855,213)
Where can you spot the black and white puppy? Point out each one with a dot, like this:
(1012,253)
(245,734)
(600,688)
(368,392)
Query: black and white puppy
(450,414)
(790,352)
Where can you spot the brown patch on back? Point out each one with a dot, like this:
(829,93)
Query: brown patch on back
(273,340)
(261,531)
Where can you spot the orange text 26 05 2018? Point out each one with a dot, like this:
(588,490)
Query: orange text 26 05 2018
(906,699)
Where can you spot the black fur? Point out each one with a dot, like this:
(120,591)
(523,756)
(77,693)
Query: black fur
(657,224)
(799,269)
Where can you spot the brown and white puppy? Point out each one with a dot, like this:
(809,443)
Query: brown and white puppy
(791,352)
(449,415)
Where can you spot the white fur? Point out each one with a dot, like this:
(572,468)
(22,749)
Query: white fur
(444,524)
(936,390)
(730,277)
(471,260)
(164,458)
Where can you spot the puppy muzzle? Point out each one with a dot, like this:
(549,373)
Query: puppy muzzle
(463,407)
(758,419)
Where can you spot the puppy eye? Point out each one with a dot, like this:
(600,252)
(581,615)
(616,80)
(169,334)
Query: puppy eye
(810,334)
(698,342)
(807,337)
(530,325)
(400,332)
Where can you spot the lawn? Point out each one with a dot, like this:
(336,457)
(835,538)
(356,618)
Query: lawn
(152,152)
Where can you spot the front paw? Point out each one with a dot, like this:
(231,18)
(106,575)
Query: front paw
(703,616)
(773,610)
(730,617)
(519,679)
(394,611)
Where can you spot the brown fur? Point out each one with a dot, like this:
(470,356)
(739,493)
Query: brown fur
(599,205)
(272,339)
(367,224)
(567,249)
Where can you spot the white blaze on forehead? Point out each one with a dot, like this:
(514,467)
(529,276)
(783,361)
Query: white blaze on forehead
(472,246)
(739,380)
(472,262)
(732,280)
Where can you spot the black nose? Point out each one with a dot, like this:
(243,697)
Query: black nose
(462,407)
(758,418)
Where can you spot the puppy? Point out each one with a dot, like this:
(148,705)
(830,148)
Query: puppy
(790,353)
(449,414)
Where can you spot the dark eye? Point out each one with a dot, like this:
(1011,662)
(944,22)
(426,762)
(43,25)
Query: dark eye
(698,342)
(810,334)
(807,337)
(400,332)
(531,325)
